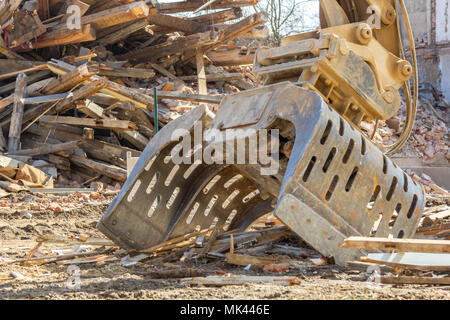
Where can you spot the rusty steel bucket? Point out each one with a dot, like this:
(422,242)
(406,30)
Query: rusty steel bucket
(331,182)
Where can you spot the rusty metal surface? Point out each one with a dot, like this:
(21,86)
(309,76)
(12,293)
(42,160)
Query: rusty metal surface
(347,181)
(332,174)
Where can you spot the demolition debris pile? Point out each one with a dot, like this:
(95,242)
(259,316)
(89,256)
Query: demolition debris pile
(74,103)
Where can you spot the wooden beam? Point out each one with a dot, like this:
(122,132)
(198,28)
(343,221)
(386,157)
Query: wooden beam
(187,97)
(168,48)
(415,280)
(117,15)
(173,23)
(217,77)
(62,37)
(43,9)
(84,7)
(30,79)
(82,93)
(219,17)
(165,72)
(16,73)
(401,245)
(15,128)
(12,64)
(230,32)
(7,9)
(10,54)
(95,149)
(201,73)
(102,5)
(44,99)
(412,260)
(245,260)
(90,123)
(122,33)
(126,72)
(73,78)
(241,280)
(123,93)
(26,27)
(6,102)
(234,57)
(95,111)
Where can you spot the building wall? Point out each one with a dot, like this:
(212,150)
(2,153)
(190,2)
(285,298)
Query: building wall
(442,23)
(419,12)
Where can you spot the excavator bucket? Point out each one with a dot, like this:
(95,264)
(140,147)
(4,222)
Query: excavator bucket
(318,174)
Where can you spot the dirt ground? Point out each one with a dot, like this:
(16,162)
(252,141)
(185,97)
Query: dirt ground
(31,215)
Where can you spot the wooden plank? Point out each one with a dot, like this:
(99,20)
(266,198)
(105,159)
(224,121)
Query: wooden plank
(95,149)
(122,33)
(228,33)
(49,148)
(6,102)
(364,266)
(205,6)
(82,93)
(245,260)
(117,15)
(95,111)
(123,93)
(165,72)
(102,5)
(90,123)
(15,128)
(219,17)
(91,109)
(12,64)
(415,280)
(16,73)
(43,99)
(30,79)
(401,245)
(183,6)
(168,244)
(26,27)
(412,260)
(60,37)
(76,241)
(201,73)
(126,72)
(168,48)
(84,7)
(10,54)
(434,230)
(186,97)
(73,78)
(8,7)
(234,57)
(102,168)
(43,9)
(172,23)
(217,77)
(240,280)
